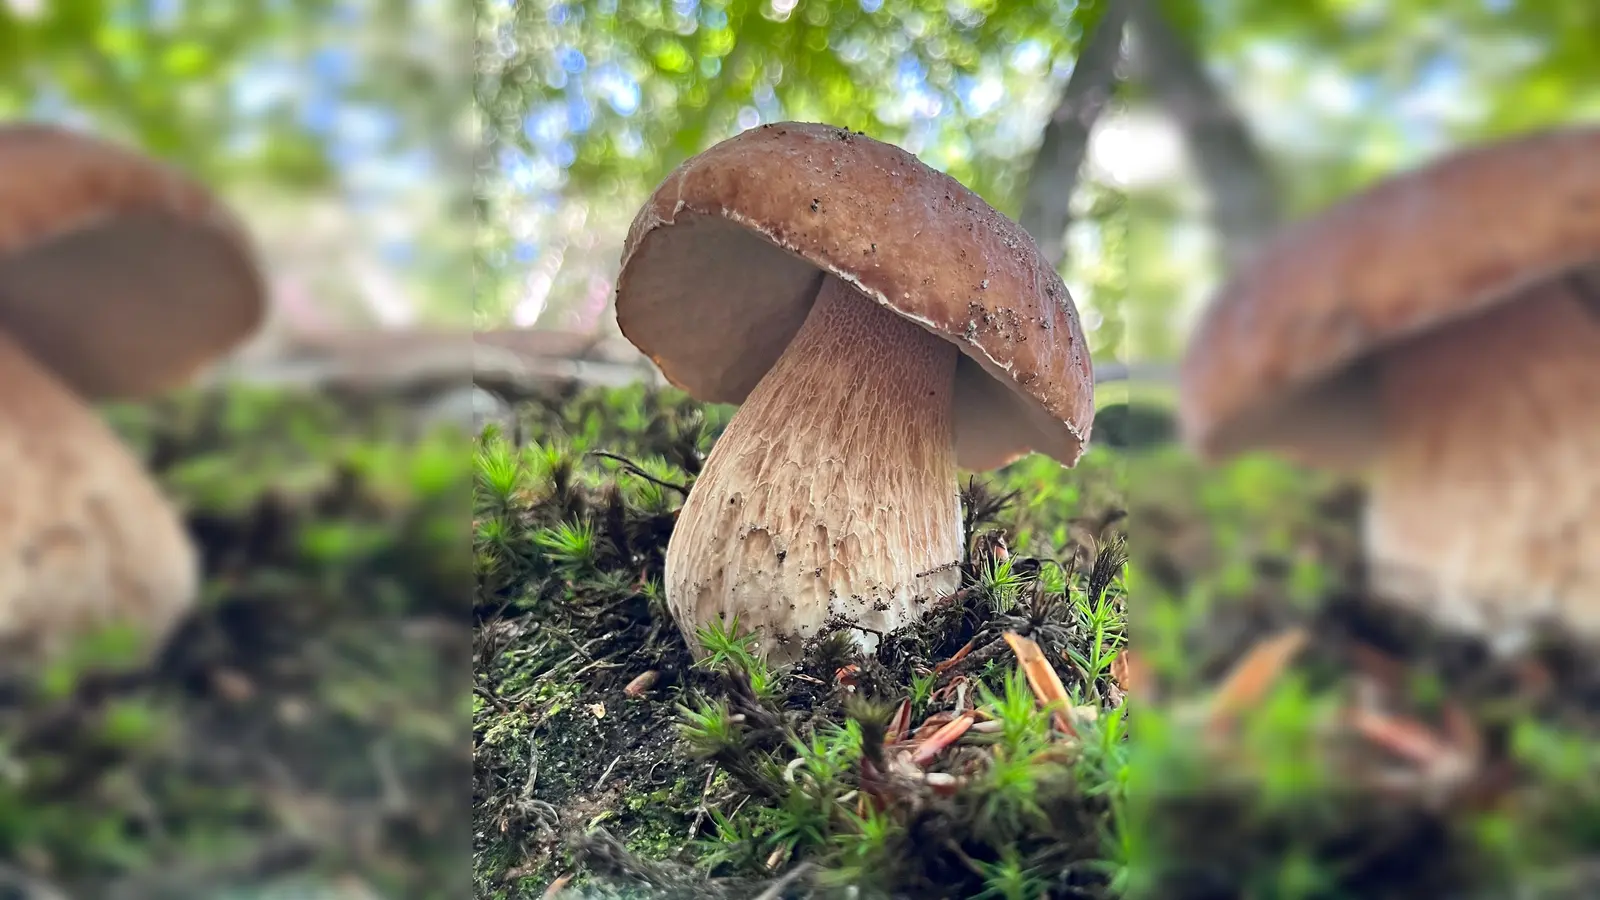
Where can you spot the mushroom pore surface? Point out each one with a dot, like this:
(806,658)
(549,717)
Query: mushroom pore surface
(1485,506)
(86,539)
(833,491)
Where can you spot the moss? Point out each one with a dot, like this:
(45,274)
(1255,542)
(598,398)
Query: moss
(303,723)
(1284,797)
(571,532)
(1391,759)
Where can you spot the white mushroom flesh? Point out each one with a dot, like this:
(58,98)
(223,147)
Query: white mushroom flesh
(832,494)
(1485,509)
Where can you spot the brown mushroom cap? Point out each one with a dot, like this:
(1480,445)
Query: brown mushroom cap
(1281,358)
(724,261)
(121,276)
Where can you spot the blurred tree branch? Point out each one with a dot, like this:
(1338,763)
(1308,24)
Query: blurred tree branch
(1245,205)
(1244,200)
(1047,196)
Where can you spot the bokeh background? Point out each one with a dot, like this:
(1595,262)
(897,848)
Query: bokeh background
(303,733)
(340,130)
(1146,145)
(415,165)
(1206,124)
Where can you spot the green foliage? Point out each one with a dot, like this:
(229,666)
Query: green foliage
(1000,585)
(1011,782)
(820,60)
(1099,618)
(164,75)
(726,646)
(708,728)
(569,546)
(1008,879)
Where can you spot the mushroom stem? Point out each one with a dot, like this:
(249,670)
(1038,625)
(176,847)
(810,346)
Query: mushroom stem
(1485,507)
(87,540)
(833,490)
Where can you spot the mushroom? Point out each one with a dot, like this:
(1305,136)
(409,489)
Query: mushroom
(118,279)
(1438,333)
(880,324)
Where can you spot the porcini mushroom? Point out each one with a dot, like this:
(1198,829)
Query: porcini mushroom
(118,278)
(880,325)
(1439,333)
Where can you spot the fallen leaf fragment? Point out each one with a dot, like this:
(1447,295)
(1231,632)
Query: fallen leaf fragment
(955,660)
(641,685)
(1043,679)
(1130,673)
(952,731)
(933,723)
(956,684)
(776,857)
(1442,764)
(1254,675)
(899,724)
(942,783)
(1406,738)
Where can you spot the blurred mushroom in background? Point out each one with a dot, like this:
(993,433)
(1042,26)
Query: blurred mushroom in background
(119,279)
(881,325)
(1440,333)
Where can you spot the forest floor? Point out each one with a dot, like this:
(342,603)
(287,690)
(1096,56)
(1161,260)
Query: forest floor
(1273,732)
(303,731)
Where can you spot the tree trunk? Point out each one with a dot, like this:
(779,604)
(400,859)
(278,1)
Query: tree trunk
(1047,200)
(1244,201)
